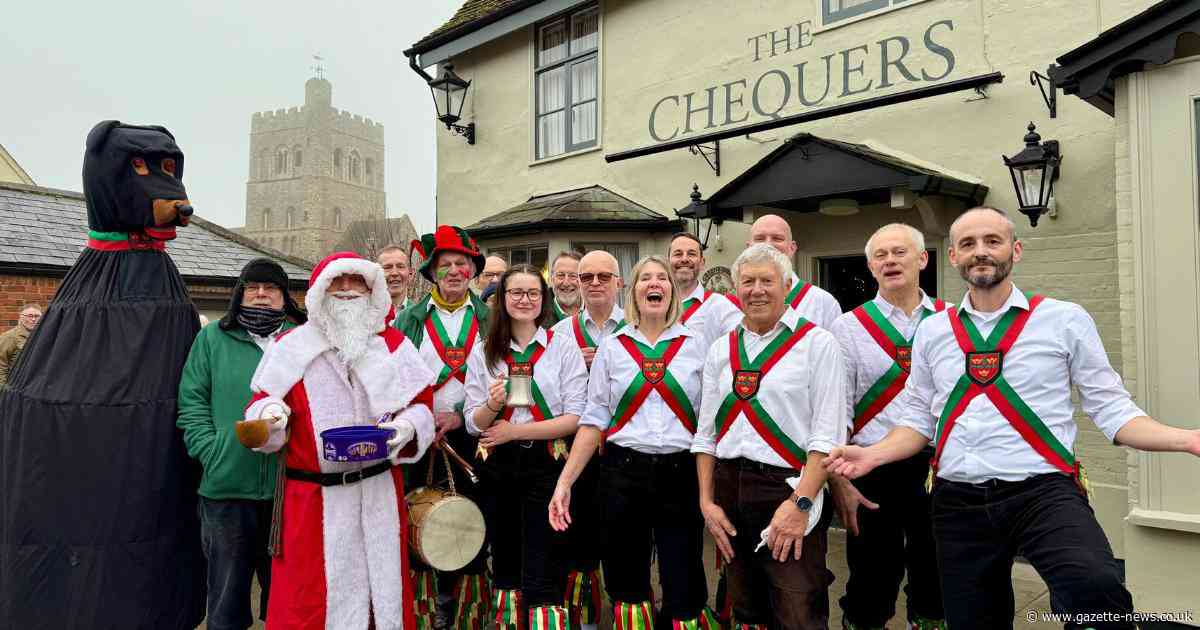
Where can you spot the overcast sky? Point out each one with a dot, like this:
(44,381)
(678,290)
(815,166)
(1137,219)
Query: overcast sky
(201,68)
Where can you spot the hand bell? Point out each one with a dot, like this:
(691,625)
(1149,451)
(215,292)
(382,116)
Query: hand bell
(520,390)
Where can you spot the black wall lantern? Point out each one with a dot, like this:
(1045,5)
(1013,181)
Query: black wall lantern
(1033,172)
(449,94)
(696,211)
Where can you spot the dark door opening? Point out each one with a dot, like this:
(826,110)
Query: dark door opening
(849,280)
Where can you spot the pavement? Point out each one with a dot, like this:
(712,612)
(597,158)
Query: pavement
(1030,593)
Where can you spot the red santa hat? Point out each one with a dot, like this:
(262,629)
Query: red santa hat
(345,263)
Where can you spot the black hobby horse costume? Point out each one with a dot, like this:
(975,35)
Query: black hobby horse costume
(98,524)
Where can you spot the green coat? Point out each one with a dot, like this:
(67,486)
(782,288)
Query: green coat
(411,321)
(213,394)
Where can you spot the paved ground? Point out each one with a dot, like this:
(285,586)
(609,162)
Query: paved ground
(1031,593)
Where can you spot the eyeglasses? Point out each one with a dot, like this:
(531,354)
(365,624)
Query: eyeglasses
(604,277)
(31,315)
(261,287)
(517,295)
(491,274)
(563,275)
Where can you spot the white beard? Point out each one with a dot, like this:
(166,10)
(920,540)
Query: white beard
(348,325)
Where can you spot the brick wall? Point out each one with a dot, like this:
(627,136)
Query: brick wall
(16,291)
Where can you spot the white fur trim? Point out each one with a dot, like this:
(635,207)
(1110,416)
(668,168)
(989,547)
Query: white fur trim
(381,300)
(285,361)
(361,528)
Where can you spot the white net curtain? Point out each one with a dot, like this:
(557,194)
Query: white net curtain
(567,83)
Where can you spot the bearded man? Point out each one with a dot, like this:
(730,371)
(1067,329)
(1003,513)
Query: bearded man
(564,279)
(1003,365)
(341,559)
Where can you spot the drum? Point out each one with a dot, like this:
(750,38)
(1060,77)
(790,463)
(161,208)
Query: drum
(445,529)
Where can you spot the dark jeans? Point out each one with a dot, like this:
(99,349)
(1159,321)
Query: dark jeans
(791,595)
(651,504)
(896,537)
(234,535)
(527,554)
(981,528)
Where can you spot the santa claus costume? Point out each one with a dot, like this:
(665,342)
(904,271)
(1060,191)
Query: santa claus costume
(342,561)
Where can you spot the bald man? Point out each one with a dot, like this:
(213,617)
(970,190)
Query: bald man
(493,267)
(814,303)
(599,317)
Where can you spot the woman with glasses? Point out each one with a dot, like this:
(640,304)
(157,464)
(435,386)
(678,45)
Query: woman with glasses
(642,401)
(526,389)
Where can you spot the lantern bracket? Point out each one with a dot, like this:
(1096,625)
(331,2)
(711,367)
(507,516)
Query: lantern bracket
(1050,98)
(467,132)
(711,154)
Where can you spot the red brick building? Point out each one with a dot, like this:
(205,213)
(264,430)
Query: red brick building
(43,230)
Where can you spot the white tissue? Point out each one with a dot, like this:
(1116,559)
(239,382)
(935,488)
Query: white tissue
(814,515)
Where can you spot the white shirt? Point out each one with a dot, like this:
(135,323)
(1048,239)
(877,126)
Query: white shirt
(559,374)
(818,306)
(453,393)
(654,428)
(866,361)
(805,393)
(598,331)
(716,317)
(1058,348)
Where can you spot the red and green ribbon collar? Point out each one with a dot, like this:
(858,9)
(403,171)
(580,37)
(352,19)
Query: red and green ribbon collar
(123,241)
(896,346)
(525,363)
(453,353)
(693,304)
(984,375)
(582,337)
(796,295)
(654,375)
(747,379)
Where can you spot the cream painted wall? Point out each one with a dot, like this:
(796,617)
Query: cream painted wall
(651,50)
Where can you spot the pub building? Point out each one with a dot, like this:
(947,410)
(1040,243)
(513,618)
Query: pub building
(608,124)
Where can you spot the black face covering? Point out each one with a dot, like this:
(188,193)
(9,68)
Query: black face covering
(125,168)
(260,321)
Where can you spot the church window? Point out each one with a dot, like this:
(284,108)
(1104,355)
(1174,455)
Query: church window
(290,218)
(281,162)
(355,174)
(337,162)
(337,218)
(266,215)
(297,158)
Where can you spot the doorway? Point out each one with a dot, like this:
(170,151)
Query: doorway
(849,280)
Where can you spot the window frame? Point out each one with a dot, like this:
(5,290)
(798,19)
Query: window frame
(826,20)
(567,63)
(505,251)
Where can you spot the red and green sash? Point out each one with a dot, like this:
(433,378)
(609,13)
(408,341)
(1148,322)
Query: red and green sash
(797,294)
(899,348)
(655,375)
(743,399)
(582,337)
(691,305)
(984,375)
(523,364)
(123,241)
(452,353)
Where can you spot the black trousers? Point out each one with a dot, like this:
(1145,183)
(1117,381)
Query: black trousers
(651,504)
(897,537)
(585,527)
(981,528)
(234,533)
(527,554)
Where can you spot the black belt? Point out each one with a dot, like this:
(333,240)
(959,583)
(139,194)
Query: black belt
(749,464)
(618,454)
(342,478)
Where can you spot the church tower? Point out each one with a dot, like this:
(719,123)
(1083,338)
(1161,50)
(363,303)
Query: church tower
(314,170)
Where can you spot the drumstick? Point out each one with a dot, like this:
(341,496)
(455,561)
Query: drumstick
(442,444)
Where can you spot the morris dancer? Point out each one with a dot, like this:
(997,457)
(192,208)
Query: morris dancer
(600,280)
(710,317)
(564,273)
(526,448)
(812,302)
(642,394)
(774,399)
(445,326)
(341,561)
(893,532)
(1002,364)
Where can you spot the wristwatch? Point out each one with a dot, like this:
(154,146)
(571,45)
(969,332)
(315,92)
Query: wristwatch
(804,504)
